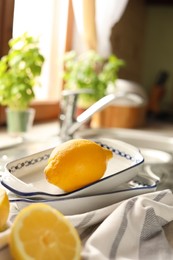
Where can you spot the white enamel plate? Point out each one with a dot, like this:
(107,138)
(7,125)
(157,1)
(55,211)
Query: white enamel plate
(25,176)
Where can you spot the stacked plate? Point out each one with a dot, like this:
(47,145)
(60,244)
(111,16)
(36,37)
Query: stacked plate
(26,182)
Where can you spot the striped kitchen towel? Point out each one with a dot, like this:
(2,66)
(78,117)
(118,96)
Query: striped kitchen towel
(137,228)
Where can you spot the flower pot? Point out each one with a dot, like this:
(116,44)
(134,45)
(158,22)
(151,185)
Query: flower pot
(19,122)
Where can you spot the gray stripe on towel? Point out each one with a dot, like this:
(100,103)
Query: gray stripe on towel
(122,228)
(86,220)
(160,196)
(153,243)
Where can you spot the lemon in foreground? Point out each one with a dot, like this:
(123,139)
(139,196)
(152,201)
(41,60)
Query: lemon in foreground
(4,209)
(41,232)
(76,163)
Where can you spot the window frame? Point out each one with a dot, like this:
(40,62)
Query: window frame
(6,22)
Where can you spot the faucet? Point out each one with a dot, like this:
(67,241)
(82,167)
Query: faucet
(69,124)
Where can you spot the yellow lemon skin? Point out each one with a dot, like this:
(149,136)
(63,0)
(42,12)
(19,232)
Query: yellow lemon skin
(4,209)
(76,163)
(41,232)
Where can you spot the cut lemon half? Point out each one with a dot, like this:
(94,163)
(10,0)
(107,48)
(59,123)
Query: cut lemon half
(4,209)
(41,232)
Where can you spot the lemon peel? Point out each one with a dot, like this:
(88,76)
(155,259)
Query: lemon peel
(76,163)
(4,209)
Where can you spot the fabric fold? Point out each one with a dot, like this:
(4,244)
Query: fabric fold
(132,229)
(139,228)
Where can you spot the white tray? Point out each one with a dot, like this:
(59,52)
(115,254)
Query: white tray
(25,177)
(72,206)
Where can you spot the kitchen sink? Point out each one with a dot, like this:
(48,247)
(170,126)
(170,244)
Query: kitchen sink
(157,150)
(138,138)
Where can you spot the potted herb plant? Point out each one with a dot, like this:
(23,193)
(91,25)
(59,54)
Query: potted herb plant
(90,71)
(19,72)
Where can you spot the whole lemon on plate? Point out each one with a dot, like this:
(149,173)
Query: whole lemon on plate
(76,163)
(42,232)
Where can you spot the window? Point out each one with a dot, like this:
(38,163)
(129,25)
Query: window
(47,20)
(51,21)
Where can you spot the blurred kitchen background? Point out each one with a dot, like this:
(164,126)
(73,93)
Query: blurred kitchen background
(142,38)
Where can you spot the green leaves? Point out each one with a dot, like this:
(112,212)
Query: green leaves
(19,72)
(90,70)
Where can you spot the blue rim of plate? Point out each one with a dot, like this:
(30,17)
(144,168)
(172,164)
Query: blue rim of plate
(145,187)
(46,156)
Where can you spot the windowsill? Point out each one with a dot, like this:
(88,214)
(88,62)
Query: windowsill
(45,111)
